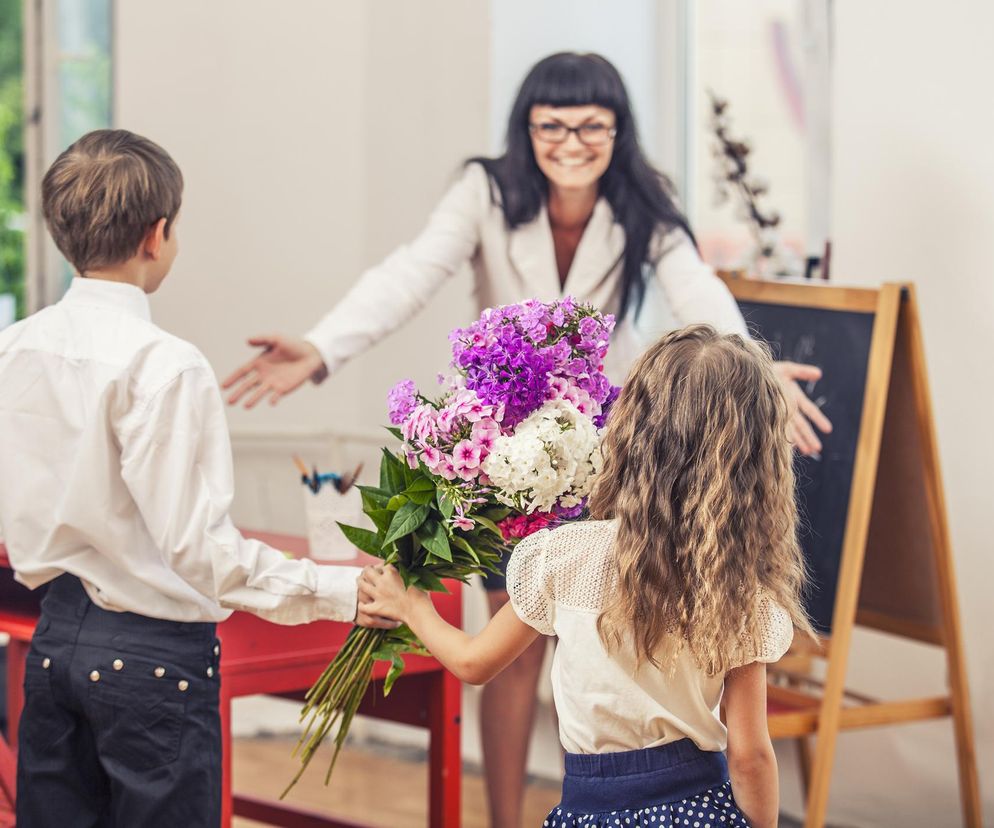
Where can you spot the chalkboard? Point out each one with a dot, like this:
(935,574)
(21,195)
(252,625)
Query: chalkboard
(838,342)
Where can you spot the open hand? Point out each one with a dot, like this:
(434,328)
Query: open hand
(282,367)
(804,412)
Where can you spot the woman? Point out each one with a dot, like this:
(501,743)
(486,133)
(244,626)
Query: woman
(572,207)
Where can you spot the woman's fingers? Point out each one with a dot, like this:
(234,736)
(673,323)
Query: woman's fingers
(813,413)
(805,439)
(241,373)
(799,371)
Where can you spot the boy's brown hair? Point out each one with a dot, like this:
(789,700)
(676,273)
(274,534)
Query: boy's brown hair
(105,192)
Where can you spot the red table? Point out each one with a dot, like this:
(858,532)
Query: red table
(260,657)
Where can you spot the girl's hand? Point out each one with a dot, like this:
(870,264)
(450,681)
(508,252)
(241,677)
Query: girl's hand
(282,367)
(382,593)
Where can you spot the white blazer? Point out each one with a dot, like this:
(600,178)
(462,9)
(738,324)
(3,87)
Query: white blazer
(513,265)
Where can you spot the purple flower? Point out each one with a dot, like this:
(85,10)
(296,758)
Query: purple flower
(606,406)
(572,512)
(401,401)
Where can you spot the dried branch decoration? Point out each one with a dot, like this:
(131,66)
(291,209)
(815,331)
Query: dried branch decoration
(732,176)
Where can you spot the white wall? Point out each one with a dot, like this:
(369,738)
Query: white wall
(913,199)
(314,138)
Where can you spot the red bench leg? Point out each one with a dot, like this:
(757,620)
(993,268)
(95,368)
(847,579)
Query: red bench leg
(445,768)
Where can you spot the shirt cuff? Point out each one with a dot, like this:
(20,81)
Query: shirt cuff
(331,362)
(338,592)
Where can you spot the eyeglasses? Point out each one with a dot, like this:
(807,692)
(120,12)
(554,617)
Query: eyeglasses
(590,135)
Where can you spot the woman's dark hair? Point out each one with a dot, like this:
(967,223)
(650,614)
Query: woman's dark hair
(639,195)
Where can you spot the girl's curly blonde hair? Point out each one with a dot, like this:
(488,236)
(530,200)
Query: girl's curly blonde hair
(698,475)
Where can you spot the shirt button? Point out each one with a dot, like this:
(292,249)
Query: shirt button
(183,685)
(210,672)
(217,649)
(46,662)
(95,675)
(118,664)
(159,672)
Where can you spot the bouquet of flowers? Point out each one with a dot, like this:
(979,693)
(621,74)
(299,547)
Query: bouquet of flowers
(510,446)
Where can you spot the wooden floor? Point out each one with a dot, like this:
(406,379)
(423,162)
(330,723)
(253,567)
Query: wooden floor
(377,786)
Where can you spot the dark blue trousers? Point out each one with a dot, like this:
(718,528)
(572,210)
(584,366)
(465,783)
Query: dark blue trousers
(120,725)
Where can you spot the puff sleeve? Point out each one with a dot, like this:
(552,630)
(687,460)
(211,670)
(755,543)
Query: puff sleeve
(529,583)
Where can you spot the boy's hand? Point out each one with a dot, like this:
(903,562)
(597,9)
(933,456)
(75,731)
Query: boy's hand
(382,592)
(281,368)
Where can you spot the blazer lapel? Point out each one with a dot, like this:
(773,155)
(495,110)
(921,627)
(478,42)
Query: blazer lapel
(533,256)
(601,247)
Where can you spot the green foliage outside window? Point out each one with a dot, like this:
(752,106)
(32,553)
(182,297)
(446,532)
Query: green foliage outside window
(12,215)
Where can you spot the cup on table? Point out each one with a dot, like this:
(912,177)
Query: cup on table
(324,511)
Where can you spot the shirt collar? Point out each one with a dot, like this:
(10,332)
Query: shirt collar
(101,293)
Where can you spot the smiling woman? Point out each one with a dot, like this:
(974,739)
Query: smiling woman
(571,207)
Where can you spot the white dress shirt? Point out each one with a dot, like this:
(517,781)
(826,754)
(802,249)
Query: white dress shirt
(511,266)
(559,581)
(115,466)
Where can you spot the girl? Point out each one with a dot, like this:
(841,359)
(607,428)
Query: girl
(574,207)
(670,601)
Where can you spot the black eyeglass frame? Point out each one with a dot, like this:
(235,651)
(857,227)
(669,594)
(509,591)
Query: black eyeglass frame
(610,132)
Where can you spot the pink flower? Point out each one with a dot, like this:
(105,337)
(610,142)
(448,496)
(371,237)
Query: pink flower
(420,424)
(446,419)
(462,522)
(446,469)
(468,405)
(559,387)
(431,455)
(484,433)
(466,459)
(412,458)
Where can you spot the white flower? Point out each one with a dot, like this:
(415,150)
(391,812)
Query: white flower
(552,458)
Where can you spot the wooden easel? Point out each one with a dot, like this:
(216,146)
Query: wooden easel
(896,569)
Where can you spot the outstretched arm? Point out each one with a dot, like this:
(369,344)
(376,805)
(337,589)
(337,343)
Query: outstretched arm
(383,299)
(474,659)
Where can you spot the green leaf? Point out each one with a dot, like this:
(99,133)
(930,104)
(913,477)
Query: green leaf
(381,517)
(396,502)
(421,491)
(373,498)
(394,673)
(392,472)
(438,543)
(408,518)
(430,582)
(489,524)
(395,432)
(445,506)
(367,541)
(464,544)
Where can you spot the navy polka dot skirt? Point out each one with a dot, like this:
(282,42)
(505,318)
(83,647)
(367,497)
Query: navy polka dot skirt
(671,786)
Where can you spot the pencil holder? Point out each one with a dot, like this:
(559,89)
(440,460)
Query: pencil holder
(324,510)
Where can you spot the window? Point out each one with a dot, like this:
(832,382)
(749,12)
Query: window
(12,211)
(69,82)
(769,60)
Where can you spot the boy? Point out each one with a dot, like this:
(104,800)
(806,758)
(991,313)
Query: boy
(115,485)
